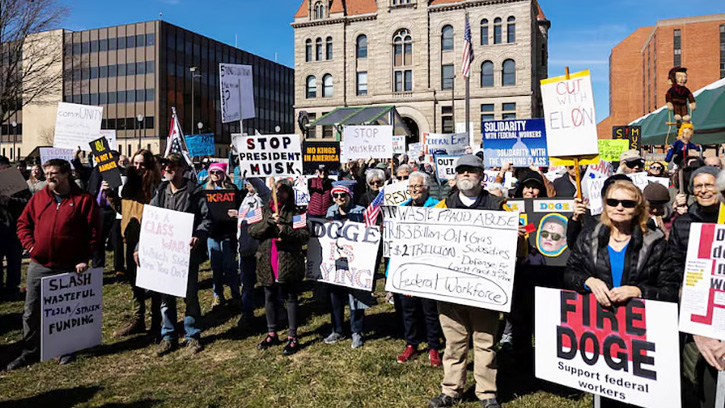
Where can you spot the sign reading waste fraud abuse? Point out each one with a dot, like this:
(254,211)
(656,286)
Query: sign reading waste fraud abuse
(458,256)
(71,312)
(521,142)
(342,253)
(269,155)
(629,354)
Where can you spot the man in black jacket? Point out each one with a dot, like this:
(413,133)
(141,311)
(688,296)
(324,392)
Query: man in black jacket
(10,209)
(565,185)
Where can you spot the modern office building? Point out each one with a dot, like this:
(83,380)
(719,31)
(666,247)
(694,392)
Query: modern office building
(138,72)
(408,54)
(639,65)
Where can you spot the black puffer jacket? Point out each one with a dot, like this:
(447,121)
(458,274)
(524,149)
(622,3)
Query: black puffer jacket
(680,234)
(647,263)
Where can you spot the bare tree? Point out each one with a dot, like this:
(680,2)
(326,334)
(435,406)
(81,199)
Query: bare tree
(29,61)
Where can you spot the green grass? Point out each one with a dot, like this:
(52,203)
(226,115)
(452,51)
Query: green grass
(231,372)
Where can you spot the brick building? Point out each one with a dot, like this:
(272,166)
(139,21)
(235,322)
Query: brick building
(638,66)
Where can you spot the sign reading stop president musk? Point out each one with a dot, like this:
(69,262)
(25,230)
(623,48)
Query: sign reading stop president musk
(269,155)
(629,354)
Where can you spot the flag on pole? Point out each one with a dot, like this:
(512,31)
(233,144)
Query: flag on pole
(467,50)
(175,140)
(371,213)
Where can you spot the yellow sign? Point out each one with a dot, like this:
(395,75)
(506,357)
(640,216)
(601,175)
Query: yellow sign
(610,149)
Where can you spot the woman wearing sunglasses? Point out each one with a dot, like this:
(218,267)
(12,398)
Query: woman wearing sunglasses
(656,169)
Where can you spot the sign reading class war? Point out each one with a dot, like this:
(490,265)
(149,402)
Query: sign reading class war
(76,125)
(268,155)
(200,145)
(107,162)
(164,250)
(236,88)
(220,202)
(364,142)
(452,255)
(629,354)
(520,141)
(316,154)
(71,312)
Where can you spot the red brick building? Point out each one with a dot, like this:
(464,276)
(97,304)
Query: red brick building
(638,66)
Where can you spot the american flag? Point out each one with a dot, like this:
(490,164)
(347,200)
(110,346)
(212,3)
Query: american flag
(467,50)
(254,216)
(174,142)
(299,221)
(371,213)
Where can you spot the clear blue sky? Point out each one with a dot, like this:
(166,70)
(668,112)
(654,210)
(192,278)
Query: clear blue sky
(582,34)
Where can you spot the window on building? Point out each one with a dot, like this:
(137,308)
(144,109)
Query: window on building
(103,45)
(362,46)
(111,100)
(677,43)
(509,73)
(150,67)
(140,95)
(112,71)
(484,31)
(312,130)
(140,68)
(318,49)
(447,76)
(487,112)
(94,99)
(102,72)
(121,69)
(150,95)
(130,96)
(112,44)
(130,41)
(308,50)
(121,43)
(362,83)
(94,46)
(447,125)
(511,30)
(722,51)
(508,110)
(487,74)
(327,89)
(319,10)
(150,39)
(402,61)
(328,48)
(131,68)
(400,2)
(140,40)
(447,38)
(121,96)
(311,87)
(85,47)
(149,121)
(103,98)
(497,30)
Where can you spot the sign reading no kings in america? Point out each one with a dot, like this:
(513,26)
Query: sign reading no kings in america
(269,155)
(458,256)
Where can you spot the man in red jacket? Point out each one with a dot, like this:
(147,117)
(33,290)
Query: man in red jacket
(60,228)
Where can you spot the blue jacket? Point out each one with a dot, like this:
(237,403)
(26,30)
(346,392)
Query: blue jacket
(354,213)
(430,202)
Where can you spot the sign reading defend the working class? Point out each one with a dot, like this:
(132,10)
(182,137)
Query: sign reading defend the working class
(365,142)
(629,354)
(520,141)
(268,155)
(107,162)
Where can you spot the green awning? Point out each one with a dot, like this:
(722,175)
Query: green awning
(708,119)
(365,115)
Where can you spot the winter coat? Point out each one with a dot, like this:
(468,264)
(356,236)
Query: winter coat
(429,202)
(248,245)
(647,263)
(564,187)
(320,197)
(354,213)
(291,257)
(485,201)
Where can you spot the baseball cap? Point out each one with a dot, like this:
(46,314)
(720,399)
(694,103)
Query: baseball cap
(630,155)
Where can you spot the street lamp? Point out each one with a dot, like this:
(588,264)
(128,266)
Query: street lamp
(199,126)
(139,117)
(15,139)
(193,71)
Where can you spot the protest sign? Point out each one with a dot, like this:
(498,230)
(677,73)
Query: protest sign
(236,89)
(399,145)
(200,145)
(302,192)
(107,162)
(594,193)
(630,133)
(459,256)
(702,310)
(48,153)
(110,135)
(315,154)
(76,125)
(445,143)
(461,128)
(164,250)
(571,126)
(219,202)
(489,178)
(11,182)
(603,169)
(71,312)
(389,213)
(342,253)
(629,354)
(521,142)
(446,166)
(550,218)
(268,155)
(610,150)
(364,142)
(414,150)
(396,193)
(639,179)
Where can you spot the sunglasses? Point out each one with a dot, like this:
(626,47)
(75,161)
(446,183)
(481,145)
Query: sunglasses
(613,202)
(338,195)
(376,183)
(547,234)
(656,167)
(402,177)
(216,172)
(634,163)
(471,170)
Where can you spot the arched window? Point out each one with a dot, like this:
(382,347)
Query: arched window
(319,10)
(308,50)
(484,31)
(318,49)
(447,38)
(509,73)
(327,86)
(402,61)
(487,74)
(497,30)
(511,30)
(311,87)
(328,48)
(362,46)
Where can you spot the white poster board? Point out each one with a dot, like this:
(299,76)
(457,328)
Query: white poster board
(446,167)
(269,155)
(342,253)
(396,193)
(571,126)
(11,182)
(364,142)
(594,194)
(77,125)
(236,89)
(110,135)
(489,178)
(48,153)
(414,150)
(458,256)
(388,236)
(164,250)
(445,143)
(71,312)
(399,145)
(633,357)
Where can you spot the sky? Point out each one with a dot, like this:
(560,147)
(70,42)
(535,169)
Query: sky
(582,33)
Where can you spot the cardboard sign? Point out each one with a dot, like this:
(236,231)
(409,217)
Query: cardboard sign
(76,125)
(396,193)
(268,155)
(107,162)
(594,194)
(219,202)
(48,153)
(414,150)
(315,154)
(399,145)
(110,135)
(364,142)
(550,217)
(571,125)
(629,354)
(440,143)
(200,145)
(458,256)
(236,89)
(71,312)
(610,150)
(164,250)
(602,170)
(489,178)
(446,167)
(632,134)
(342,253)
(520,141)
(702,310)
(11,182)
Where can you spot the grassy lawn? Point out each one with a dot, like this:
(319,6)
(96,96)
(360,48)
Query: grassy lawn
(231,372)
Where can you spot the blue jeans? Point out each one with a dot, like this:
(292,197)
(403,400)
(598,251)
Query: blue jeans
(222,255)
(248,268)
(193,311)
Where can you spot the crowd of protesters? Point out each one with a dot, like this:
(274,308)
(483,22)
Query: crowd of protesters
(69,217)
